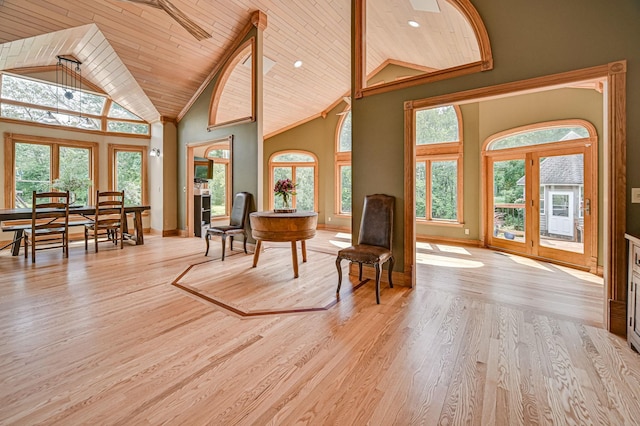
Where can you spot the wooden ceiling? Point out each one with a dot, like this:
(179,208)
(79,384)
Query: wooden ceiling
(147,61)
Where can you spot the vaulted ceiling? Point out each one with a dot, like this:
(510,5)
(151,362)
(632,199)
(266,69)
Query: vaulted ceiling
(151,56)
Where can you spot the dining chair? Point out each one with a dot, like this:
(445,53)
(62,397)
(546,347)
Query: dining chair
(49,223)
(375,240)
(239,214)
(108,219)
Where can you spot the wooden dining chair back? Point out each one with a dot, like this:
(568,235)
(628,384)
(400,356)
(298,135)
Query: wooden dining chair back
(375,239)
(108,220)
(237,223)
(49,223)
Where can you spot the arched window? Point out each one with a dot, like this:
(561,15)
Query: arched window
(439,164)
(343,165)
(41,102)
(219,176)
(538,136)
(232,99)
(302,168)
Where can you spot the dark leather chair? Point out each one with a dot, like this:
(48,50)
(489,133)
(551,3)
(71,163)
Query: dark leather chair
(375,239)
(239,214)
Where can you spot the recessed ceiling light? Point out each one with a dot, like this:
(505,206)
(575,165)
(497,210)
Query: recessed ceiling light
(297,63)
(414,24)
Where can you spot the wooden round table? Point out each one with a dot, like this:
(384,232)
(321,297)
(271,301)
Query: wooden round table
(282,227)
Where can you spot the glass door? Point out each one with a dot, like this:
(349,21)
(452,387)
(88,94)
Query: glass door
(563,211)
(508,203)
(537,203)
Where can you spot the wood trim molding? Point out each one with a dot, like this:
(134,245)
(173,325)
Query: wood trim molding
(188,202)
(8,170)
(472,17)
(409,215)
(294,125)
(113,150)
(10,139)
(257,19)
(616,263)
(294,164)
(228,68)
(615,258)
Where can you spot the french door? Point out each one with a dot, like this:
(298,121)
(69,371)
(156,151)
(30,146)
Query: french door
(541,202)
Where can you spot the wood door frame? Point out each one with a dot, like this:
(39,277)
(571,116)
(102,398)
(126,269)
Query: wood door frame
(190,174)
(614,270)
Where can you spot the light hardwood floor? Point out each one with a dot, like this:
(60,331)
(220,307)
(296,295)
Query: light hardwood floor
(485,338)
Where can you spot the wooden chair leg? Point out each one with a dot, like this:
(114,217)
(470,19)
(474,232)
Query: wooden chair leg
(244,243)
(230,242)
(223,238)
(338,260)
(359,271)
(207,236)
(378,274)
(391,262)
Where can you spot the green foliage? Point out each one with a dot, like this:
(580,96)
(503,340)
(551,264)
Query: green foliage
(129,176)
(444,190)
(421,190)
(345,186)
(539,136)
(33,171)
(345,134)
(505,181)
(218,189)
(436,125)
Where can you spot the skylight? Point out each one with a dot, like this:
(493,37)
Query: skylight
(425,5)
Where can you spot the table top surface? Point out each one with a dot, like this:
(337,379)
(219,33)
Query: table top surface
(272,214)
(25,213)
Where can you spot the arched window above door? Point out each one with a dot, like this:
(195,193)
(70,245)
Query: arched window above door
(541,133)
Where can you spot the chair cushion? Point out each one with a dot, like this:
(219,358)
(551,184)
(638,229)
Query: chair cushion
(226,229)
(364,253)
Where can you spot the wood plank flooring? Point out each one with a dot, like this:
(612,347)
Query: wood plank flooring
(104,338)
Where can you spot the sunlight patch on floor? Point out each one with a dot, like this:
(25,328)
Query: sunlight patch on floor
(340,244)
(446,261)
(453,249)
(525,261)
(423,246)
(581,275)
(343,235)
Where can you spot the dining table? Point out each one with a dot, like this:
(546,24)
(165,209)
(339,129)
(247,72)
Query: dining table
(84,212)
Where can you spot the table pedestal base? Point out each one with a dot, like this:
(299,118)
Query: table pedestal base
(294,255)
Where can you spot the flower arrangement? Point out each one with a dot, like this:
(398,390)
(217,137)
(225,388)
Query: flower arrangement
(285,188)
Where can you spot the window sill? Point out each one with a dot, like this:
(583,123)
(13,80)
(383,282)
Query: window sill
(440,223)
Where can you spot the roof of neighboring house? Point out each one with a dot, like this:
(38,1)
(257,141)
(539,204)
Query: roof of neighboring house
(560,170)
